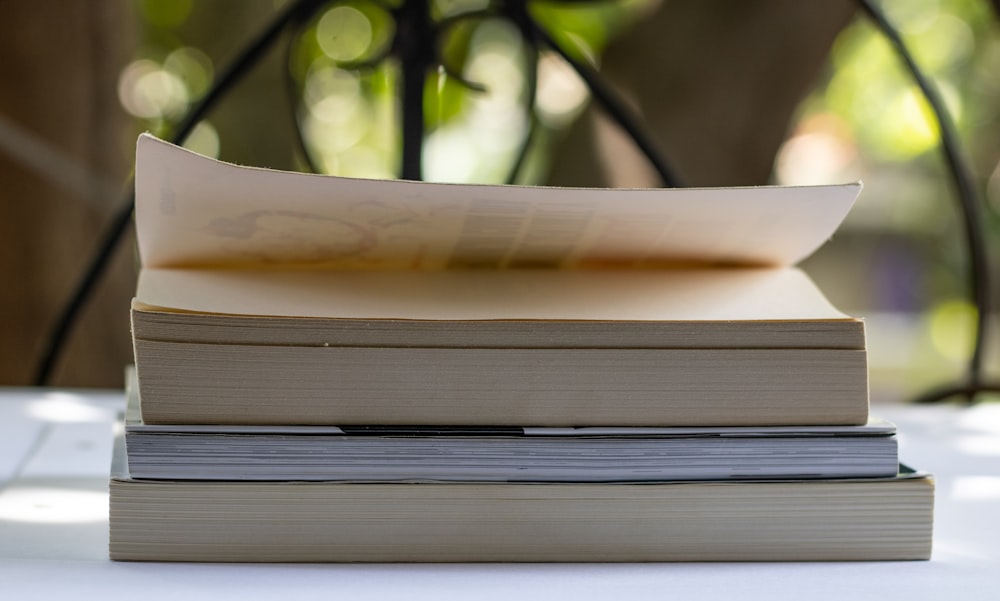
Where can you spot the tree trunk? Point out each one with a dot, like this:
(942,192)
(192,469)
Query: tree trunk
(65,152)
(717,83)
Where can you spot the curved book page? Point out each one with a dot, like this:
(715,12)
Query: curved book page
(193,211)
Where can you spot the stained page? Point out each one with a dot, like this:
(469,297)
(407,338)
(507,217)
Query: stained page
(192,211)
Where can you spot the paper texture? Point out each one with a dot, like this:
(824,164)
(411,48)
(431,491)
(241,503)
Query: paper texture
(673,295)
(193,211)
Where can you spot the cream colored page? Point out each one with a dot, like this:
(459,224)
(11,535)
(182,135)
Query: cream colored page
(194,211)
(640,295)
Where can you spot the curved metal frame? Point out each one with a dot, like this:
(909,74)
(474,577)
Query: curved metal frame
(415,45)
(970,206)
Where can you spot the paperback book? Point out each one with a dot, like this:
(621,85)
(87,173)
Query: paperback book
(356,302)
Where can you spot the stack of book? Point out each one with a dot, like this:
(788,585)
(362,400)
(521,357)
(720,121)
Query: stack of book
(333,369)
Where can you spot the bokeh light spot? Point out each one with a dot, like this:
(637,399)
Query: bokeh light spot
(344,33)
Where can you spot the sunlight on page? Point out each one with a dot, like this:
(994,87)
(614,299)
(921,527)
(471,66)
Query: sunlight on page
(979,445)
(979,431)
(976,488)
(67,407)
(53,505)
(984,419)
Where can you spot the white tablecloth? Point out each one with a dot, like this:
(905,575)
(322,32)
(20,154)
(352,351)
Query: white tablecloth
(55,449)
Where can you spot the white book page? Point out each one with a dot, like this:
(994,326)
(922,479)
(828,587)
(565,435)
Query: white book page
(192,211)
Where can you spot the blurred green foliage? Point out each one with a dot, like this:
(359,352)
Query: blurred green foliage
(346,93)
(902,250)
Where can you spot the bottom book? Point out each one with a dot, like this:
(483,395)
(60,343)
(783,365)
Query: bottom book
(287,521)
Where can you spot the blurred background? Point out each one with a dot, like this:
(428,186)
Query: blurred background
(735,93)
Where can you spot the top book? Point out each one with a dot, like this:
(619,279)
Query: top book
(285,298)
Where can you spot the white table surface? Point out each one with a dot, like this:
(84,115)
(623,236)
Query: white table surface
(55,450)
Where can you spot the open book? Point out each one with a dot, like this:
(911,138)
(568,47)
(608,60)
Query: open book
(279,298)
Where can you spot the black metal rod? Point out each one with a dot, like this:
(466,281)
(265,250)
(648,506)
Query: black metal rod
(243,62)
(967,391)
(969,205)
(56,341)
(531,121)
(614,107)
(532,53)
(414,46)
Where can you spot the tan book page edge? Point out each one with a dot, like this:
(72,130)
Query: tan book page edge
(683,295)
(196,211)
